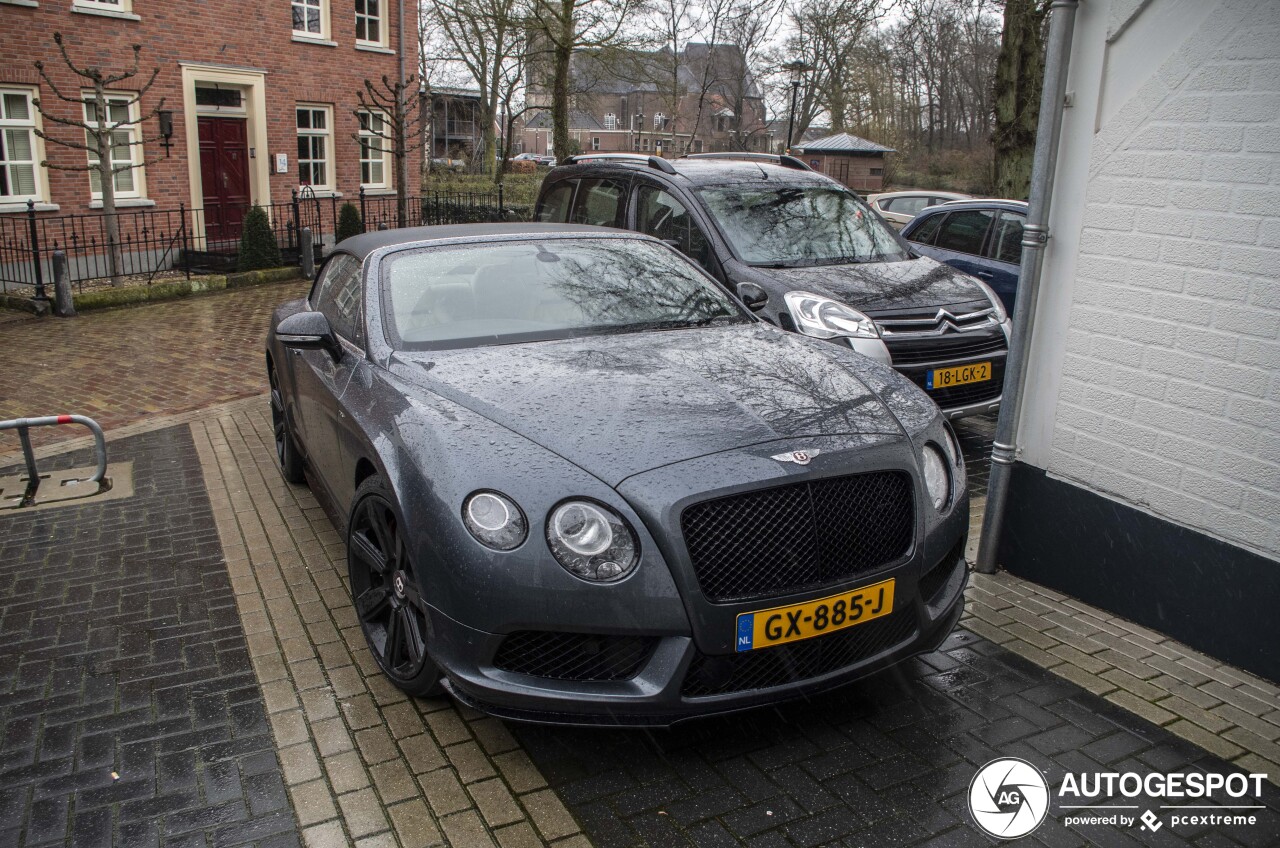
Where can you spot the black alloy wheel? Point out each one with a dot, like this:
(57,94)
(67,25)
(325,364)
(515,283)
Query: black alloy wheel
(286,449)
(387,599)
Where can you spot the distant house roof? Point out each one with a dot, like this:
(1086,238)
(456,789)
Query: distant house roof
(448,91)
(578,120)
(844,143)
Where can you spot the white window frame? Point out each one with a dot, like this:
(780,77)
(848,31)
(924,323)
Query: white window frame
(111,7)
(377,142)
(380,18)
(658,120)
(311,132)
(595,142)
(323,7)
(610,121)
(136,155)
(30,124)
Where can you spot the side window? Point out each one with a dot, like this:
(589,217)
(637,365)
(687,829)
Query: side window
(908,205)
(599,203)
(662,216)
(928,228)
(338,296)
(554,208)
(963,231)
(1006,241)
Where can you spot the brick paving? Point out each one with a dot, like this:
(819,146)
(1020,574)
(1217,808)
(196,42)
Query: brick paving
(364,764)
(124,365)
(130,711)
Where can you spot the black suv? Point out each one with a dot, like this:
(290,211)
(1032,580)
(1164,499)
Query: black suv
(807,254)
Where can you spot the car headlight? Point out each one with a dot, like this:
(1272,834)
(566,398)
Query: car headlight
(996,303)
(592,541)
(825,318)
(495,520)
(936,478)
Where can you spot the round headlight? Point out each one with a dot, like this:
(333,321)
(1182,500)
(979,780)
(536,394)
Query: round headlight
(936,478)
(495,521)
(592,541)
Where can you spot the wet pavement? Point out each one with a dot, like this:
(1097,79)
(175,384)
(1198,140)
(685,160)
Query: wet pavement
(120,366)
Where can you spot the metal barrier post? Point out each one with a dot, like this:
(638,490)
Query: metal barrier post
(35,251)
(64,305)
(22,425)
(364,214)
(307,254)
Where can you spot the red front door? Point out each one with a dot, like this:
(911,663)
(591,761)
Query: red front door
(224,176)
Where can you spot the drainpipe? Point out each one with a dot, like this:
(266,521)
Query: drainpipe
(1034,236)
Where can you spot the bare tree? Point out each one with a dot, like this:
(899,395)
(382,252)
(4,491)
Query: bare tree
(1018,81)
(105,129)
(389,112)
(486,37)
(563,26)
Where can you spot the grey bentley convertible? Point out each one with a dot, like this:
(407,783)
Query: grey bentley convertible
(580,482)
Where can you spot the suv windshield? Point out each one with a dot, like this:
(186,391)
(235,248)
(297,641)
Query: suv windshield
(799,225)
(519,291)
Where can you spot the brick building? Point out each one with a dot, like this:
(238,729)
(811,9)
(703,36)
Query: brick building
(626,100)
(262,97)
(1148,473)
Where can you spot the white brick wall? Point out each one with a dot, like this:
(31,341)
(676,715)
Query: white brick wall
(1156,363)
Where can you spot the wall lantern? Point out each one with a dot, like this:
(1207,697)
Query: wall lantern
(166,129)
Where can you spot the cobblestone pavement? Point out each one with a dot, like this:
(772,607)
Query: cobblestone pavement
(124,365)
(130,711)
(364,764)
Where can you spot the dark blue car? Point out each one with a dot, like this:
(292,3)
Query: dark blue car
(979,237)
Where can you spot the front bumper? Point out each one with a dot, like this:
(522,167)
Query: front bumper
(927,609)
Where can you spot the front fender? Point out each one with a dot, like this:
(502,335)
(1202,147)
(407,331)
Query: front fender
(434,453)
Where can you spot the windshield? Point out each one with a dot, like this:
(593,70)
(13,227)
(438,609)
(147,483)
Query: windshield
(799,225)
(517,291)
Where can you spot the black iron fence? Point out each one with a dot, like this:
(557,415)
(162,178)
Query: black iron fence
(160,243)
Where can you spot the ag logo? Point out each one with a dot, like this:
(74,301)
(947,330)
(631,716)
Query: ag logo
(1008,798)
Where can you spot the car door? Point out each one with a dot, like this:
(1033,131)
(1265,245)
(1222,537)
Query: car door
(1004,250)
(958,241)
(660,214)
(600,202)
(319,379)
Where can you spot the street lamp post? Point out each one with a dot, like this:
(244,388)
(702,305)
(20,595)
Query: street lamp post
(796,69)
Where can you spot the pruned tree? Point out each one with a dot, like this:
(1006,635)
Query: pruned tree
(1019,79)
(388,111)
(107,127)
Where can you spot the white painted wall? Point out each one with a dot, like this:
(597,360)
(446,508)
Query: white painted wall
(1155,364)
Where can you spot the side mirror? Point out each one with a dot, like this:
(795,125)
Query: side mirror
(752,296)
(309,331)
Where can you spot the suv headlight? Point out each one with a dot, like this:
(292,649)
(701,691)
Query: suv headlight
(936,477)
(996,303)
(495,520)
(825,318)
(592,541)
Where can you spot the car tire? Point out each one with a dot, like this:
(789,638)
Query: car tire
(291,466)
(385,592)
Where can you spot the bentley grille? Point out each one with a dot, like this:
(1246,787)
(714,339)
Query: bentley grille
(799,536)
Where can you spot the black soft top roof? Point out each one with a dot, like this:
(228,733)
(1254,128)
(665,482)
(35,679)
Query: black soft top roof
(362,245)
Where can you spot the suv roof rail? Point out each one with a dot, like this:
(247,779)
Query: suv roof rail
(652,161)
(778,159)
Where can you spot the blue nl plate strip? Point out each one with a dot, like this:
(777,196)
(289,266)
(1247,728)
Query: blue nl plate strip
(746,631)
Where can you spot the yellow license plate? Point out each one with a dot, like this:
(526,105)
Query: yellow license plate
(780,625)
(958,375)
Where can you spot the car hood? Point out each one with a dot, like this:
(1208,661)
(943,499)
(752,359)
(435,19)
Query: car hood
(920,282)
(617,405)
